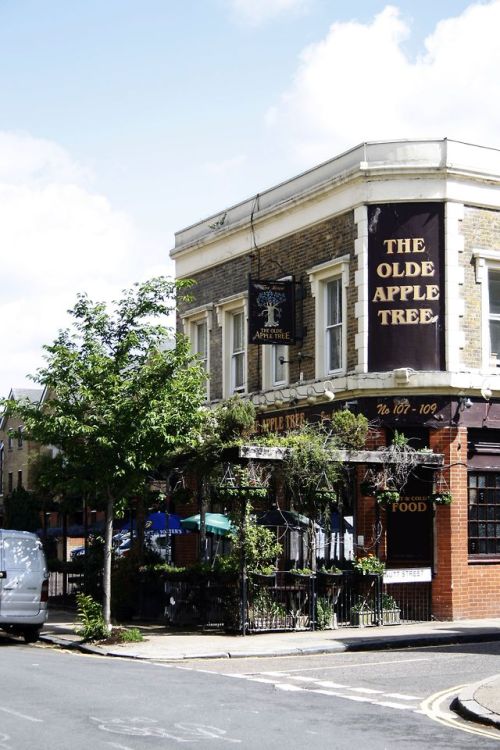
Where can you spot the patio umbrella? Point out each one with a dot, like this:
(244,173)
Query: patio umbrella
(289,518)
(215,523)
(157,523)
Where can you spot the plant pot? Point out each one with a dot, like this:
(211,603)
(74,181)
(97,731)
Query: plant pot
(362,619)
(263,578)
(391,617)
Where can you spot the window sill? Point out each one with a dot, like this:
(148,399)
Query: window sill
(483,559)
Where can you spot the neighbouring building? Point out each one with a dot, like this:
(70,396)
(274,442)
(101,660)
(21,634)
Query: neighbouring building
(18,456)
(372,282)
(16,453)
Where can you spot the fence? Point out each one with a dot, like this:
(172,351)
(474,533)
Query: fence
(290,601)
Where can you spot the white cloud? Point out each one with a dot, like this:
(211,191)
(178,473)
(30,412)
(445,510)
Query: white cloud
(56,239)
(256,12)
(358,84)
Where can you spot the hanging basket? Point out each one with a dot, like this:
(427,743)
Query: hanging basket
(387,497)
(442,498)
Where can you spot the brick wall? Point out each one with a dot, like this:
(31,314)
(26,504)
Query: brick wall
(293,255)
(481,230)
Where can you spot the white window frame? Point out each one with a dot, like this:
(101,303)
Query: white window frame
(226,309)
(486,261)
(191,322)
(269,354)
(319,277)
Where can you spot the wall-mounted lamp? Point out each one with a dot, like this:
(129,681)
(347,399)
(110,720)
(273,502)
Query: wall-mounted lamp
(329,393)
(300,356)
(464,403)
(311,395)
(486,392)
(278,399)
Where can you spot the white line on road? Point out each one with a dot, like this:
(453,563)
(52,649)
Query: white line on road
(20,716)
(351,665)
(119,747)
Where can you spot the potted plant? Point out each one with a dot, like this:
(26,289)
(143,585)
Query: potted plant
(362,614)
(442,498)
(369,564)
(329,572)
(263,574)
(325,614)
(387,497)
(391,612)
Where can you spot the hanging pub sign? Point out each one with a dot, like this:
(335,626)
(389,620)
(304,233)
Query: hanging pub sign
(406,286)
(271,312)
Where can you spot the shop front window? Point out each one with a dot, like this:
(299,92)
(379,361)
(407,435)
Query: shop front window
(484,514)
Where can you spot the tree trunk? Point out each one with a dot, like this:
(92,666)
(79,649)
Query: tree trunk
(106,575)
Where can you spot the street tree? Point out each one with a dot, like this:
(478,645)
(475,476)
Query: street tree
(118,397)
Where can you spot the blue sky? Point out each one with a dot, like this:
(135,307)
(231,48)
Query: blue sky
(124,121)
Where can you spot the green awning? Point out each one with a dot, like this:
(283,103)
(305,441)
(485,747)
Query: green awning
(215,523)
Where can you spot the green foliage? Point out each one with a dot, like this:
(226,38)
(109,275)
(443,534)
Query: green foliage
(302,571)
(361,605)
(387,497)
(332,570)
(258,542)
(368,564)
(235,417)
(90,616)
(263,605)
(349,431)
(399,440)
(389,602)
(130,635)
(310,465)
(324,613)
(442,498)
(22,510)
(119,400)
(108,372)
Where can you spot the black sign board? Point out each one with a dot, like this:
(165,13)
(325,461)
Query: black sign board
(406,286)
(271,312)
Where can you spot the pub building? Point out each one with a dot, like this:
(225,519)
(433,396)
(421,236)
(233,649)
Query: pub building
(372,282)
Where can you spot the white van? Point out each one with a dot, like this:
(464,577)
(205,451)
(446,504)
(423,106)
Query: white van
(24,584)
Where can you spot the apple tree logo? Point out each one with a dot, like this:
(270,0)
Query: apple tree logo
(270,301)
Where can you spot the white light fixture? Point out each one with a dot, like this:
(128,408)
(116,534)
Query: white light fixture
(278,399)
(486,392)
(311,395)
(329,393)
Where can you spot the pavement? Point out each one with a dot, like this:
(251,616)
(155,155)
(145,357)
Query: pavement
(478,702)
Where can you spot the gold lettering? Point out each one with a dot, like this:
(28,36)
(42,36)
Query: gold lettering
(428,268)
(409,317)
(379,295)
(389,246)
(405,245)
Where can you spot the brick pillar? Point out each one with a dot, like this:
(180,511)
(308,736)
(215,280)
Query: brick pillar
(450,583)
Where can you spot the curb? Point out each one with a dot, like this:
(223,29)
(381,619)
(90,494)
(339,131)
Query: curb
(372,644)
(467,706)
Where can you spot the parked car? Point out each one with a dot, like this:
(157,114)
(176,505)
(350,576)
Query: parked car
(24,584)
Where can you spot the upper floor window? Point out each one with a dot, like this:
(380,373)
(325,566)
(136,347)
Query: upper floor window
(334,324)
(20,437)
(328,284)
(200,342)
(237,352)
(494,312)
(232,317)
(197,326)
